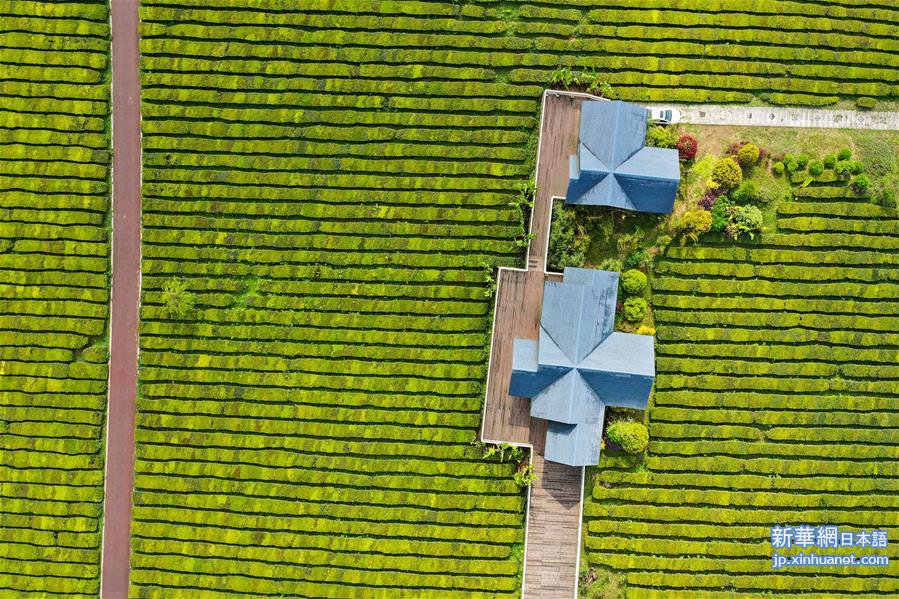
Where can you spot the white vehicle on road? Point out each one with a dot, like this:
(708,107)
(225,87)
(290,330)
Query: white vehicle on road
(664,116)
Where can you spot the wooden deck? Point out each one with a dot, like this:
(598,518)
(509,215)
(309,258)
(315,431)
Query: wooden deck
(553,525)
(519,294)
(554,517)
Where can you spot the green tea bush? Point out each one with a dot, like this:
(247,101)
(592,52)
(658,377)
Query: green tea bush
(633,281)
(635,309)
(631,436)
(830,160)
(844,154)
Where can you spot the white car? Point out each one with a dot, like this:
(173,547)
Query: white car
(664,116)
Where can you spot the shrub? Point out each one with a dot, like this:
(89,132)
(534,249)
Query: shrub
(779,168)
(856,167)
(802,161)
(843,168)
(708,200)
(692,224)
(524,476)
(865,103)
(830,160)
(633,281)
(635,308)
(613,264)
(638,257)
(645,330)
(744,219)
(727,173)
(661,137)
(888,198)
(748,154)
(568,242)
(720,214)
(747,192)
(815,167)
(631,436)
(844,154)
(790,163)
(662,242)
(687,146)
(177,299)
(861,184)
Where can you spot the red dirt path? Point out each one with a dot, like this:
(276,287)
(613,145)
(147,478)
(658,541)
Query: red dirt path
(126,174)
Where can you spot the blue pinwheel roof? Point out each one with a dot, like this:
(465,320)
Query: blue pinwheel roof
(579,365)
(612,166)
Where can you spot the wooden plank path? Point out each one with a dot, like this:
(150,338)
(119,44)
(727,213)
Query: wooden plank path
(554,508)
(126,214)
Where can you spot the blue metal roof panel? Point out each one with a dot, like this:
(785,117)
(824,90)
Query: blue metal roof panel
(574,445)
(612,131)
(611,139)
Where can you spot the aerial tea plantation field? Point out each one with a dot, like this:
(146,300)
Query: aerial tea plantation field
(327,184)
(54,201)
(775,403)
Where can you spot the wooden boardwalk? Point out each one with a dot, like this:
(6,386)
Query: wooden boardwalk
(554,512)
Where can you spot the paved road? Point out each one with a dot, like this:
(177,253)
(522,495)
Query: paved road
(707,114)
(126,176)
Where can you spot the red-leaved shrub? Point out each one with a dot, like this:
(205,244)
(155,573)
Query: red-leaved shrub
(687,147)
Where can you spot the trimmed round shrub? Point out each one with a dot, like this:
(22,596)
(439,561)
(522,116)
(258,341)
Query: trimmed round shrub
(856,167)
(861,184)
(727,173)
(687,146)
(748,154)
(790,163)
(815,167)
(631,436)
(844,154)
(802,160)
(830,160)
(779,168)
(633,281)
(635,308)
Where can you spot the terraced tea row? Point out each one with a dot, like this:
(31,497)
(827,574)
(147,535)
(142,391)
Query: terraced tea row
(54,258)
(775,403)
(786,52)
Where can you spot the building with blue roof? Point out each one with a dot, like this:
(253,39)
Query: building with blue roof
(612,166)
(579,365)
